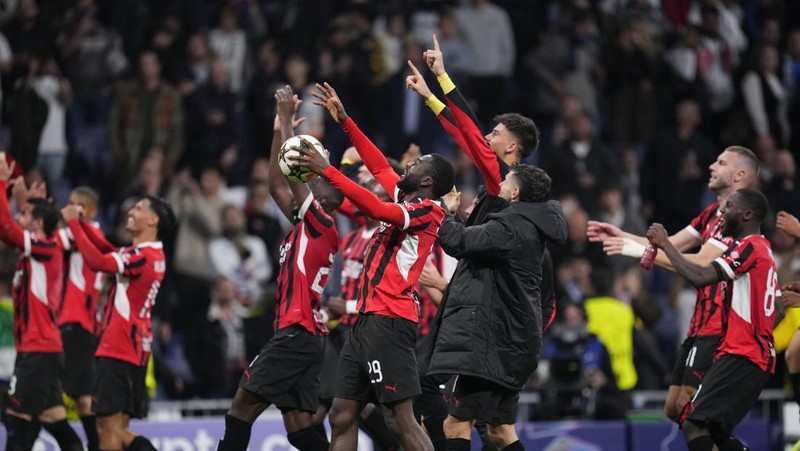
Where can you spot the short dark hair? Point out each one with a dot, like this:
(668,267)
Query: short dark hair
(523,128)
(534,183)
(166,217)
(755,201)
(322,188)
(443,174)
(89,193)
(749,159)
(45,210)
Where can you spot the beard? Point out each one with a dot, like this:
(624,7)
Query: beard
(408,184)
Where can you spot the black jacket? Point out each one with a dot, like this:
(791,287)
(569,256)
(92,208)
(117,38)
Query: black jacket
(491,324)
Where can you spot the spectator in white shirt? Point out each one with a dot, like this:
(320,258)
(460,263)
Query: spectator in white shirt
(230,45)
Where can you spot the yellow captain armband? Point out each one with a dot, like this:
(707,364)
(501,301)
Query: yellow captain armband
(435,104)
(446,83)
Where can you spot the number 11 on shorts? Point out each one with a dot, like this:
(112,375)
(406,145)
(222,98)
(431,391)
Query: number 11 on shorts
(374,369)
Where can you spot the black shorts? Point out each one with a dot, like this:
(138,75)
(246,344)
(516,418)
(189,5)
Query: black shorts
(377,363)
(727,393)
(286,371)
(35,385)
(473,398)
(79,368)
(327,376)
(120,387)
(694,360)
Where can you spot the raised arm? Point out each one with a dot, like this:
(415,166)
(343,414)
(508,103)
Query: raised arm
(697,275)
(97,238)
(372,157)
(278,185)
(288,103)
(10,231)
(459,241)
(95,260)
(368,203)
(476,148)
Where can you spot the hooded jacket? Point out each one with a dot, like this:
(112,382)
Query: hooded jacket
(491,325)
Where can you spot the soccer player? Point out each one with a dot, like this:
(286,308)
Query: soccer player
(35,392)
(344,308)
(513,138)
(286,371)
(125,344)
(747,274)
(378,363)
(735,168)
(789,224)
(77,319)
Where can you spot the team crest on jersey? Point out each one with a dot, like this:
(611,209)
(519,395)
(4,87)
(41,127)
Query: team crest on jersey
(735,255)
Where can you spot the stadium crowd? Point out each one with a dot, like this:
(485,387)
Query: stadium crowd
(634,99)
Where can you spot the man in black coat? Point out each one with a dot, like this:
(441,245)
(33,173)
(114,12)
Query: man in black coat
(491,328)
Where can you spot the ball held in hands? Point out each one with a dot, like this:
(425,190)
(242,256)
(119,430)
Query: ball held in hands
(293,170)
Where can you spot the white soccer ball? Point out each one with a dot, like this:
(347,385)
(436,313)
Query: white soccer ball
(290,168)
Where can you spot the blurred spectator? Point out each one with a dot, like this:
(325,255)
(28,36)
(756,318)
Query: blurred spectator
(198,207)
(765,150)
(146,113)
(6,64)
(782,191)
(613,211)
(55,90)
(582,166)
(29,118)
(716,62)
(728,17)
(565,63)
(260,95)
(212,122)
(612,321)
(262,224)
(230,45)
(632,67)
(454,49)
(195,69)
(675,169)
(167,43)
(28,35)
(390,33)
(216,350)
(93,60)
(298,73)
(487,30)
(791,79)
(240,257)
(766,98)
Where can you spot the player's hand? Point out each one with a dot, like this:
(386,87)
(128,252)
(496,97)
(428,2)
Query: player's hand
(310,158)
(614,245)
(5,169)
(336,307)
(416,82)
(283,102)
(329,99)
(71,212)
(788,223)
(452,200)
(433,58)
(791,286)
(657,235)
(599,232)
(790,299)
(431,277)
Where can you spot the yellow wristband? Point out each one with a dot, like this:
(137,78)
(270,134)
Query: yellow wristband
(435,104)
(348,161)
(445,82)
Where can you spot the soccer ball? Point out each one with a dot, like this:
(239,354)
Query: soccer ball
(293,172)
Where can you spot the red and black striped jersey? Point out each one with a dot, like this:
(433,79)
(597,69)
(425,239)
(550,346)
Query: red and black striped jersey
(127,334)
(82,287)
(750,296)
(395,258)
(36,290)
(707,317)
(354,251)
(307,255)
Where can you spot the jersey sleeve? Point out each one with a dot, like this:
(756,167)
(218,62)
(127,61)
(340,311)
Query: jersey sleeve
(348,209)
(419,216)
(700,222)
(372,157)
(314,217)
(37,248)
(65,236)
(96,260)
(737,259)
(10,231)
(368,203)
(130,264)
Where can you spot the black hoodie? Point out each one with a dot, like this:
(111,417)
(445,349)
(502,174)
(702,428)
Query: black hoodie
(491,326)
